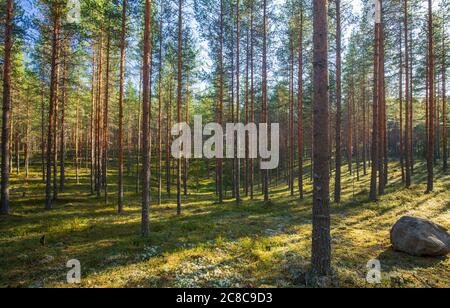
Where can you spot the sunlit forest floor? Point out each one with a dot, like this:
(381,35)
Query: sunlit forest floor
(211,245)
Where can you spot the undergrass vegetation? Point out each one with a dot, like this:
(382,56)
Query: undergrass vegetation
(212,245)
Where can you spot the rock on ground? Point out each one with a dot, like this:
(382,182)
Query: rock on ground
(420,237)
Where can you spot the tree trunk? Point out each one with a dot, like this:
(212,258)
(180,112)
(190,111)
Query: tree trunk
(145,225)
(98,130)
(408,103)
(364,124)
(77,143)
(220,111)
(106,120)
(350,125)
(121,103)
(338,175)
(400,88)
(375,133)
(430,155)
(168,139)
(179,96)
(54,84)
(43,134)
(291,123)
(247,112)
(381,110)
(321,244)
(4,206)
(252,95)
(444,106)
(27,138)
(265,112)
(238,103)
(62,140)
(92,128)
(160,98)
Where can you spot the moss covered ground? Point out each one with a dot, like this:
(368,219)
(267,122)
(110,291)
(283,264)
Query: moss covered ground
(212,245)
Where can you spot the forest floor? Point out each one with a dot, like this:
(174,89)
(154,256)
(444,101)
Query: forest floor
(211,245)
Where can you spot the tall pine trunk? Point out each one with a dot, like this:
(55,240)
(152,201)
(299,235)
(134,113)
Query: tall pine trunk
(321,245)
(408,102)
(4,206)
(54,84)
(252,95)
(221,93)
(431,94)
(62,140)
(375,114)
(444,106)
(238,103)
(160,99)
(400,89)
(179,96)
(338,175)
(265,111)
(92,123)
(121,103)
(145,225)
(106,120)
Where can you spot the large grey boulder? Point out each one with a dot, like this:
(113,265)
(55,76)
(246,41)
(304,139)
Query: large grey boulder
(420,237)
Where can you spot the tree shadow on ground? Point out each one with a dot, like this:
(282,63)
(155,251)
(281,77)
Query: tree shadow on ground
(392,260)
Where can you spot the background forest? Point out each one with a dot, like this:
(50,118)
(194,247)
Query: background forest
(87,171)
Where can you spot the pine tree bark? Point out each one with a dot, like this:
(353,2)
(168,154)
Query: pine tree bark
(121,102)
(145,224)
(375,114)
(238,103)
(4,206)
(43,134)
(160,99)
(98,121)
(400,88)
(221,93)
(179,96)
(350,125)
(364,124)
(92,127)
(291,123)
(27,137)
(106,120)
(321,244)
(408,104)
(444,106)
(62,141)
(168,139)
(252,95)
(77,142)
(431,94)
(381,110)
(265,111)
(247,111)
(54,85)
(338,175)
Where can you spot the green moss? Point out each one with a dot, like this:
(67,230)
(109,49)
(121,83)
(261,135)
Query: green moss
(212,245)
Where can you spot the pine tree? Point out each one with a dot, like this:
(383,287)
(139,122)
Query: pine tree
(121,103)
(179,95)
(4,206)
(431,108)
(321,245)
(54,90)
(145,228)
(337,188)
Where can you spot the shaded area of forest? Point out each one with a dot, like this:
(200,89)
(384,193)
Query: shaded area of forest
(211,245)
